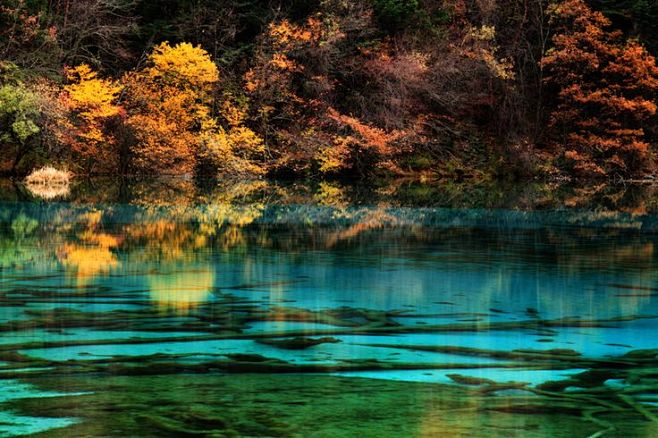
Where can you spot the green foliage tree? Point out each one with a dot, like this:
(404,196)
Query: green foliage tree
(19,116)
(395,14)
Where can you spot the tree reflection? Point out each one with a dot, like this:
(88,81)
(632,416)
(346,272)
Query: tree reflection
(172,243)
(180,287)
(90,253)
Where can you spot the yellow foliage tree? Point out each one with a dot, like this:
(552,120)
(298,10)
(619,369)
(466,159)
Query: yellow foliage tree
(169,106)
(92,102)
(170,112)
(234,148)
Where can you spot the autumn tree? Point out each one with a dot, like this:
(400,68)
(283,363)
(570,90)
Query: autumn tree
(168,104)
(299,83)
(170,111)
(96,32)
(228,145)
(604,90)
(43,35)
(91,102)
(357,146)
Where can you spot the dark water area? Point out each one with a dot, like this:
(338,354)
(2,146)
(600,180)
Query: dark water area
(165,308)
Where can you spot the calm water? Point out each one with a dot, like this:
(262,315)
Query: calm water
(264,310)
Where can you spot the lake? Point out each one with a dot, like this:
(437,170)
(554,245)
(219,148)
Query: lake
(165,308)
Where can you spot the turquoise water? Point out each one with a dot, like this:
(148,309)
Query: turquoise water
(557,306)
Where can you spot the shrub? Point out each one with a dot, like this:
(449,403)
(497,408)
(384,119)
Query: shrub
(48,182)
(49,176)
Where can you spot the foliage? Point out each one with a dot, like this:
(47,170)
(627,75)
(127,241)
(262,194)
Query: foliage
(19,118)
(25,39)
(480,45)
(300,81)
(605,89)
(96,32)
(170,110)
(287,54)
(31,115)
(18,106)
(395,14)
(637,18)
(358,147)
(168,105)
(439,90)
(92,103)
(233,148)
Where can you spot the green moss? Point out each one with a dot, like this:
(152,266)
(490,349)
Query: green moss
(309,406)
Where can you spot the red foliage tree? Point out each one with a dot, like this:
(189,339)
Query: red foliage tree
(603,88)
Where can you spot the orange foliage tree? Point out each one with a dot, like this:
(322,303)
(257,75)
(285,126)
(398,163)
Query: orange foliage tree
(296,81)
(357,145)
(604,89)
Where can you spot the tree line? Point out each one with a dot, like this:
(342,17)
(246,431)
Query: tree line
(459,89)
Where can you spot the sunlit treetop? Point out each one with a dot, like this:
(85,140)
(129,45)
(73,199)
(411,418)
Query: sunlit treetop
(285,33)
(184,62)
(87,93)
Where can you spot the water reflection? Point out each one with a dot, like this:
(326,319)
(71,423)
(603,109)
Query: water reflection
(517,320)
(180,287)
(181,192)
(91,252)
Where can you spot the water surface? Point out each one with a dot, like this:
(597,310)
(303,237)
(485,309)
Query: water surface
(258,309)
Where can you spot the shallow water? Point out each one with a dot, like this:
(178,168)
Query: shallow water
(256,310)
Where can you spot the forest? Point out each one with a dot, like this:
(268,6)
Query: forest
(466,90)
